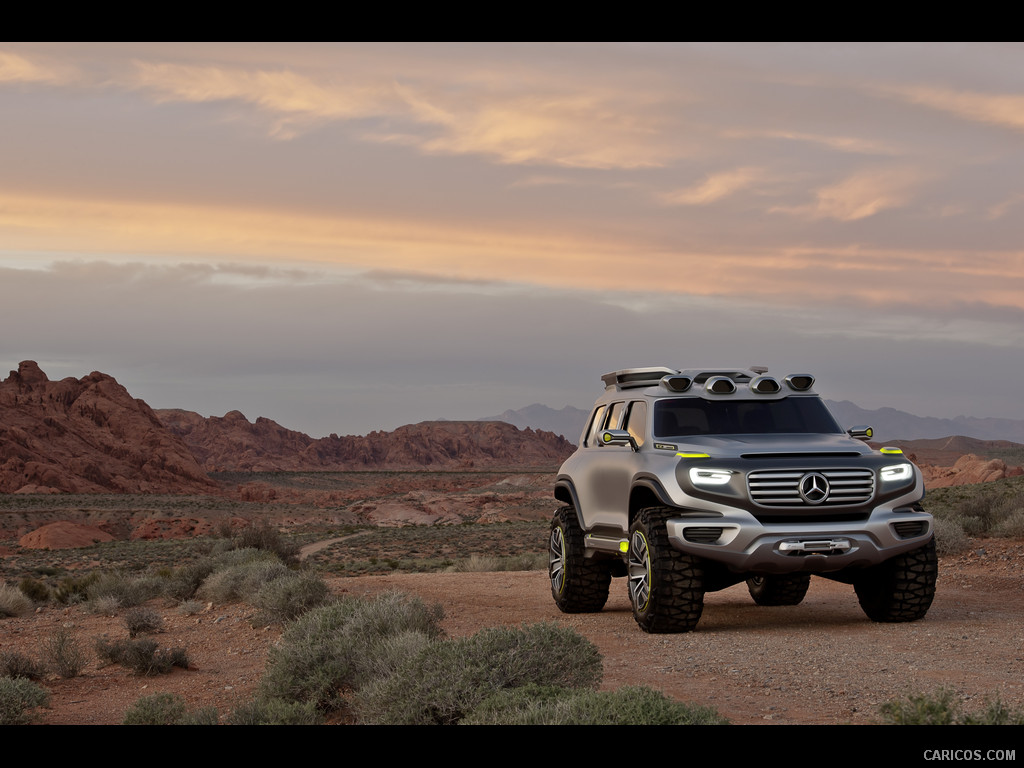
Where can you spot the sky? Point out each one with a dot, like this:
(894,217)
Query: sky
(345,238)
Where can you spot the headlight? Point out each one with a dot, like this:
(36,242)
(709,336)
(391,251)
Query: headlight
(700,476)
(897,472)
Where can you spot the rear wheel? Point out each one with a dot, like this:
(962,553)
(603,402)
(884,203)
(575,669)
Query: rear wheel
(779,590)
(578,584)
(900,589)
(666,587)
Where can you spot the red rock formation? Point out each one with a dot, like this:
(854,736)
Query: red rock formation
(87,435)
(968,469)
(232,443)
(64,535)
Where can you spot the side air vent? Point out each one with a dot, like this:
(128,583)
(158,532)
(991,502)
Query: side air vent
(910,528)
(702,534)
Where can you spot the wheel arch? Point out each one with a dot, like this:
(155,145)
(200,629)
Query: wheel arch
(565,492)
(646,492)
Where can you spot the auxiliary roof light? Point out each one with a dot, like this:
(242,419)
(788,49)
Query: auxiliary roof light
(801,382)
(677,383)
(765,385)
(720,385)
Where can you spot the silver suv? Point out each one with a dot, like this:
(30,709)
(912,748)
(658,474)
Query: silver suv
(688,482)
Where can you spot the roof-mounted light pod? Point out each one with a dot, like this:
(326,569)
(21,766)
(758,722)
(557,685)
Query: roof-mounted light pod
(765,385)
(800,382)
(677,383)
(720,385)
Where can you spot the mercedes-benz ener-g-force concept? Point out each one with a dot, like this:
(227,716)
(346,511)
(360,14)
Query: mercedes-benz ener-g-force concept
(688,482)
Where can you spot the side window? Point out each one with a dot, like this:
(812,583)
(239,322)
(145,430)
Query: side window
(596,425)
(636,422)
(615,415)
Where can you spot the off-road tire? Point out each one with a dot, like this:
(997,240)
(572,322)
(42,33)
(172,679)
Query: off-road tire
(666,586)
(578,584)
(900,589)
(779,590)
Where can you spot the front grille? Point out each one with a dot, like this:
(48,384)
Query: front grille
(782,487)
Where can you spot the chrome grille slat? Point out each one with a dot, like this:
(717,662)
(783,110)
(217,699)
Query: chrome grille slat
(781,488)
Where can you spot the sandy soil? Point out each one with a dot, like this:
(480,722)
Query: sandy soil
(821,662)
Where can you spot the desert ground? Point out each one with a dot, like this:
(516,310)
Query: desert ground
(821,662)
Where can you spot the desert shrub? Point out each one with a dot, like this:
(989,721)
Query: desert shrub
(74,589)
(448,679)
(950,538)
(13,602)
(190,607)
(241,581)
(288,597)
(549,705)
(144,657)
(275,712)
(64,653)
(14,664)
(942,707)
(1010,526)
(141,621)
(184,581)
(267,538)
(128,590)
(335,648)
(35,590)
(105,605)
(18,697)
(167,709)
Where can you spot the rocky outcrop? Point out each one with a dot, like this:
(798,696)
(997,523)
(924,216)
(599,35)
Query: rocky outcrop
(968,469)
(87,435)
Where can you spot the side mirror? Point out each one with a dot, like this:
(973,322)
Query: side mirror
(617,437)
(861,432)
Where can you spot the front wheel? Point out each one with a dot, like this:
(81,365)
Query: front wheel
(779,590)
(900,589)
(666,586)
(578,584)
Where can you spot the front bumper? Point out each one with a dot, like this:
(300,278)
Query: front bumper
(744,545)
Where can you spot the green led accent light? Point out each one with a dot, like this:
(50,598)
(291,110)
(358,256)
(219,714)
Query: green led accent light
(688,455)
(891,451)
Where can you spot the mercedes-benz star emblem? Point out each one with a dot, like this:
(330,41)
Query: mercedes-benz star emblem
(814,488)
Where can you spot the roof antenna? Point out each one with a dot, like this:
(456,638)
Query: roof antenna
(758,369)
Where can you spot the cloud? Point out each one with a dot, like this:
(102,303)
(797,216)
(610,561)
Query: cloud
(715,187)
(863,194)
(15,68)
(1006,110)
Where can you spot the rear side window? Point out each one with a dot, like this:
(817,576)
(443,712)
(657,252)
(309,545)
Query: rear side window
(596,424)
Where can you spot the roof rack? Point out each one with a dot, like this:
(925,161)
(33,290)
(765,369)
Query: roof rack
(636,377)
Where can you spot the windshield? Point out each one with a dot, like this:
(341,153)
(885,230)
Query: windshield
(696,416)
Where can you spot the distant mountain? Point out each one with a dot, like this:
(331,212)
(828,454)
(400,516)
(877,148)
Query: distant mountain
(888,423)
(567,422)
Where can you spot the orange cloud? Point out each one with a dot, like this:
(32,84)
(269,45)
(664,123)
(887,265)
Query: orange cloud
(715,187)
(998,109)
